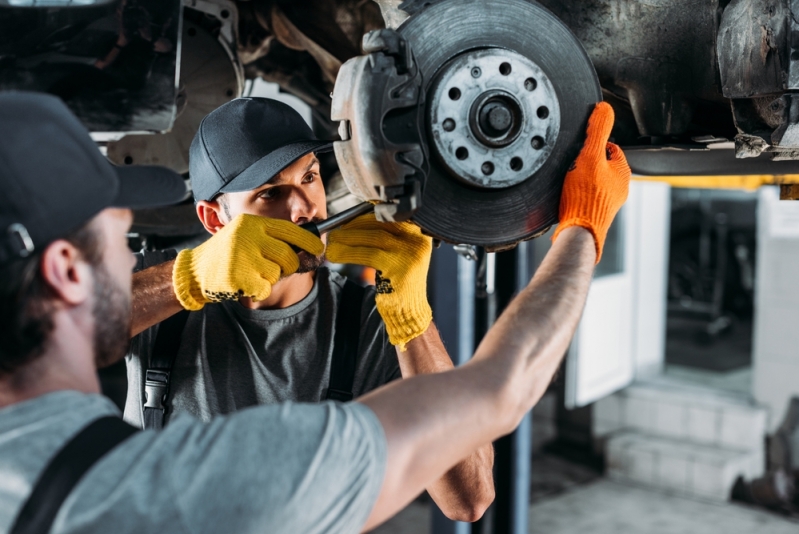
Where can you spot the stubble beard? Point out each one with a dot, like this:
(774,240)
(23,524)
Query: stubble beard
(112,316)
(309,263)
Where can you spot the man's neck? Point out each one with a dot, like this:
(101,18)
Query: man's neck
(66,364)
(285,293)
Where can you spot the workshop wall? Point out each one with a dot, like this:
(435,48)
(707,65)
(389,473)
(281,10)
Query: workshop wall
(776,325)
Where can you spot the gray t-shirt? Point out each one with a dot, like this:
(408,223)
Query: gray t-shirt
(285,468)
(231,357)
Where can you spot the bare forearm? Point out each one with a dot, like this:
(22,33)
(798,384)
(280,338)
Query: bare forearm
(432,422)
(153,297)
(466,490)
(533,334)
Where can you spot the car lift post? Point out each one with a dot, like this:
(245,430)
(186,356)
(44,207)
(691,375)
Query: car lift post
(512,464)
(457,330)
(476,297)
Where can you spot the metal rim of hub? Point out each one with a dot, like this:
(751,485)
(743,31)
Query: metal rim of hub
(494,117)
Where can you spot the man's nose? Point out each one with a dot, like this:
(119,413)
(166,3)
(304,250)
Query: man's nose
(302,208)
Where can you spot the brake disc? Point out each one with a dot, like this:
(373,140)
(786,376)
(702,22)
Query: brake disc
(509,90)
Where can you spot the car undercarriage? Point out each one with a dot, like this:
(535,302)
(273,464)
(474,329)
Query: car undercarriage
(460,114)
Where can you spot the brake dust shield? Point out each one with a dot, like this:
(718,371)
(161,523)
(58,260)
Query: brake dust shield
(508,92)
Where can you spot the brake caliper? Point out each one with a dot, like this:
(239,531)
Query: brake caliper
(379,102)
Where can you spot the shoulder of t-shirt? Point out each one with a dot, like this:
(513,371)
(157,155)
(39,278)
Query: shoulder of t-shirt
(146,259)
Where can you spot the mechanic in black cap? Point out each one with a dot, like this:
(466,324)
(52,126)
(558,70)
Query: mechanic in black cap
(258,334)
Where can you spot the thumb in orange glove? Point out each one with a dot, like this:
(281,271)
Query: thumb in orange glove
(597,184)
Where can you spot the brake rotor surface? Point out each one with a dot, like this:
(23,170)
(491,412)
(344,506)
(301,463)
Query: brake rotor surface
(509,91)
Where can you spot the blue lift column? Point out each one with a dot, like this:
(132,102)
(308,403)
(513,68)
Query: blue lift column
(513,453)
(478,299)
(450,293)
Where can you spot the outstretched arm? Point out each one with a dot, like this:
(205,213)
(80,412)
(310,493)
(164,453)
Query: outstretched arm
(465,491)
(433,421)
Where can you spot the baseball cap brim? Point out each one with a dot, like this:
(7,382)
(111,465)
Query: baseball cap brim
(269,166)
(148,186)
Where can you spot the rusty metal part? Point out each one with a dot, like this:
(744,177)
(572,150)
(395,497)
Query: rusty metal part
(789,191)
(377,100)
(392,13)
(210,77)
(291,36)
(708,162)
(658,56)
(752,48)
(329,28)
(758,54)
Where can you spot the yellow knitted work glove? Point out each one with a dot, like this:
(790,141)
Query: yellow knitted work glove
(596,186)
(243,259)
(401,255)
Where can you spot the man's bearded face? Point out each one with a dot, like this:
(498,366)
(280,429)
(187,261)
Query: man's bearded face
(112,315)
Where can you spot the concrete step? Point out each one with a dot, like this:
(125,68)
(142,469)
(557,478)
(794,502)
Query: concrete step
(678,466)
(681,412)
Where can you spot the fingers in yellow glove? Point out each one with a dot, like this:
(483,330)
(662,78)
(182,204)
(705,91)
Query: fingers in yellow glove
(401,255)
(596,186)
(244,259)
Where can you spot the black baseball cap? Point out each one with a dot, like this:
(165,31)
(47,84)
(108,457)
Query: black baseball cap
(243,144)
(53,178)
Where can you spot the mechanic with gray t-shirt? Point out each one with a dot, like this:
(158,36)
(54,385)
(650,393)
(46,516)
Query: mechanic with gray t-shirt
(226,325)
(209,379)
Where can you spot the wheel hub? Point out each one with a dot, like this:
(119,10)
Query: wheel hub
(494,117)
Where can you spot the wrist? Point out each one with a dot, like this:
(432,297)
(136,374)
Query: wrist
(595,219)
(405,320)
(184,282)
(583,234)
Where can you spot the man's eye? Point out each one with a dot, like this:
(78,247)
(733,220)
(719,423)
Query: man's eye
(309,178)
(269,193)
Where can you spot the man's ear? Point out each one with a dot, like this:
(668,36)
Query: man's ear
(67,274)
(210,214)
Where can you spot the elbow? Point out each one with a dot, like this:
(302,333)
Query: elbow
(474,509)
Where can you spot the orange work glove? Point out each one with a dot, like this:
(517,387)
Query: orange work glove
(597,183)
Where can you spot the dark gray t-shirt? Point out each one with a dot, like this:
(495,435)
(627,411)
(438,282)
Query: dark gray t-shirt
(231,357)
(280,469)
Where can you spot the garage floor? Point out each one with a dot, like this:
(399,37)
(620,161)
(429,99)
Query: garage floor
(605,506)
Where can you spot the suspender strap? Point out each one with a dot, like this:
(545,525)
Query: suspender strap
(65,470)
(345,343)
(162,359)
